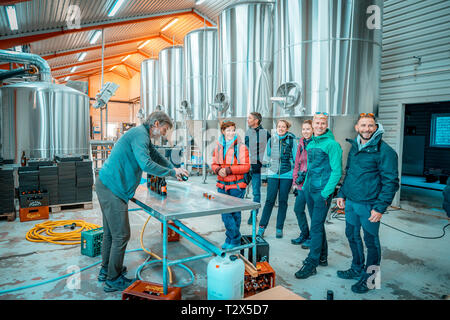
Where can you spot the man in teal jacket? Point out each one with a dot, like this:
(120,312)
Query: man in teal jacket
(369,187)
(119,177)
(323,173)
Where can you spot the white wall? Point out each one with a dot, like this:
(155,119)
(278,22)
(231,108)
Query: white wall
(412,28)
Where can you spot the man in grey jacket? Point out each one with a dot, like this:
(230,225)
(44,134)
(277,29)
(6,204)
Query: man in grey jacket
(119,177)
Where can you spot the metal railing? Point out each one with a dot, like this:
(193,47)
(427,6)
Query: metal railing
(100,152)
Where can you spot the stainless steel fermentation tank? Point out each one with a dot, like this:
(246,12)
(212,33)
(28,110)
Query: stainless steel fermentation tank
(246,49)
(327,57)
(149,85)
(171,81)
(200,88)
(43,119)
(200,72)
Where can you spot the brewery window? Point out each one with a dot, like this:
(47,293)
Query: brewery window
(440,130)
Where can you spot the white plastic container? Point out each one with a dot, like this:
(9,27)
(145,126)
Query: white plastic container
(225,278)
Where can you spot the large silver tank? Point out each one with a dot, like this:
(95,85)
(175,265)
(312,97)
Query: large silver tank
(43,119)
(328,50)
(201,71)
(149,85)
(171,80)
(246,45)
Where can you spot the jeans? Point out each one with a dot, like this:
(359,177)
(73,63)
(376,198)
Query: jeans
(318,210)
(256,186)
(116,229)
(357,216)
(281,187)
(299,209)
(232,221)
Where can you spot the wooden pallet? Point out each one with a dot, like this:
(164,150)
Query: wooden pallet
(10,216)
(71,207)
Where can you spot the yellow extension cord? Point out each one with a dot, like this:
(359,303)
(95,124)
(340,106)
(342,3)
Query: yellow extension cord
(44,232)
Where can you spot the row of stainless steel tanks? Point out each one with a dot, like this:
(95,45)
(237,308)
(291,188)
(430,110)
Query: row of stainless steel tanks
(283,58)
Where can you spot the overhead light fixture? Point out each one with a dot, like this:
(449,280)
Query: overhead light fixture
(66,78)
(82,56)
(113,68)
(116,6)
(12,17)
(169,24)
(199,2)
(73,69)
(144,44)
(95,36)
(126,57)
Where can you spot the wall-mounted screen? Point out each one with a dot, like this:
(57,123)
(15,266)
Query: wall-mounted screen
(440,130)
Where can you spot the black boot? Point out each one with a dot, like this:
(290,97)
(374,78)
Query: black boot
(299,240)
(306,271)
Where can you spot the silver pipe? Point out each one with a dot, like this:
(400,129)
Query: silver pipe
(29,58)
(101,84)
(204,153)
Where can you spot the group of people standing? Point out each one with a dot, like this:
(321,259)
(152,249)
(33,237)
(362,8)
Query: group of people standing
(311,166)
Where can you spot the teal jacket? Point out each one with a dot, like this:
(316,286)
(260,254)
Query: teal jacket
(279,157)
(324,164)
(371,172)
(131,155)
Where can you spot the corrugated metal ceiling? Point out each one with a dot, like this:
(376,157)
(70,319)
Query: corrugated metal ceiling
(41,16)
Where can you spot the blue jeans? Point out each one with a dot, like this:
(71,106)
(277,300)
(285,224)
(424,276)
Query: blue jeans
(256,186)
(299,209)
(281,187)
(357,216)
(232,221)
(318,209)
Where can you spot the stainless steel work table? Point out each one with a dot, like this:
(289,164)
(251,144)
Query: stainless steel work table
(186,200)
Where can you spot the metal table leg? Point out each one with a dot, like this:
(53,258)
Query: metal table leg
(164,262)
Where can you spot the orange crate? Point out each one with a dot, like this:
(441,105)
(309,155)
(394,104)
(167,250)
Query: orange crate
(143,290)
(171,235)
(265,279)
(33,213)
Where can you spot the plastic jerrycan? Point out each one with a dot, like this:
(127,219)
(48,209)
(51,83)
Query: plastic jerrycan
(225,278)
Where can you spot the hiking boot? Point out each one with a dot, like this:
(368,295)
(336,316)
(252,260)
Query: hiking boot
(118,284)
(361,285)
(301,239)
(306,244)
(104,273)
(348,274)
(279,233)
(306,271)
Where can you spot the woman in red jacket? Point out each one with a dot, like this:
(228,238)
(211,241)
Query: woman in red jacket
(298,178)
(231,162)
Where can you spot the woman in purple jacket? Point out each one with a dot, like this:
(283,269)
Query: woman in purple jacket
(299,176)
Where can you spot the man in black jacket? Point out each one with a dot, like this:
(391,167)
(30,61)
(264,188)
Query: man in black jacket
(256,139)
(369,187)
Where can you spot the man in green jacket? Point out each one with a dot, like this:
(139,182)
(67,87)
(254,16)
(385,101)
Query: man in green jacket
(369,187)
(323,173)
(118,179)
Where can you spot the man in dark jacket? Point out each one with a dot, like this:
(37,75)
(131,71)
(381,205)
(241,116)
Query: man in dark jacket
(256,139)
(369,187)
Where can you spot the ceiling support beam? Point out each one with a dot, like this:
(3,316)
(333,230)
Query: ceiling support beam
(29,37)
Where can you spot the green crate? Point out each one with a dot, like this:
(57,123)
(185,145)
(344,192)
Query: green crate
(91,242)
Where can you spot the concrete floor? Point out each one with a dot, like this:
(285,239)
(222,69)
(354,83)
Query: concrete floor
(411,268)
